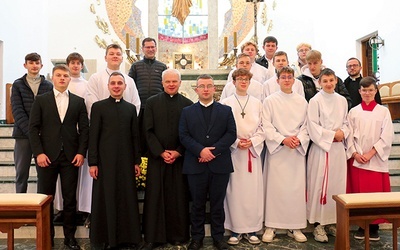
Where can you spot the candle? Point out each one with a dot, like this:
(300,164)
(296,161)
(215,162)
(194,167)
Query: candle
(225,44)
(127,40)
(137,45)
(235,39)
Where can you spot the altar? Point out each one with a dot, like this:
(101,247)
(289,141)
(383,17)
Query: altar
(189,77)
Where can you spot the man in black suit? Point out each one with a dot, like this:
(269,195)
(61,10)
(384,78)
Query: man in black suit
(207,129)
(58,133)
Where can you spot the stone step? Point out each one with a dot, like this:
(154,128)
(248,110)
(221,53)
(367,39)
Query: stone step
(7,141)
(6,130)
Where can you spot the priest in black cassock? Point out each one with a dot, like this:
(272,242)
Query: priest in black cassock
(114,160)
(166,203)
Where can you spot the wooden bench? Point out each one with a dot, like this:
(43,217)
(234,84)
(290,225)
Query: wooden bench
(362,209)
(17,210)
(390,95)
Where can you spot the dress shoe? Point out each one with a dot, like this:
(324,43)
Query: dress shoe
(195,245)
(71,243)
(87,222)
(221,245)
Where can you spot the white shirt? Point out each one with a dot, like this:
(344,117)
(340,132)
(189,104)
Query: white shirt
(62,101)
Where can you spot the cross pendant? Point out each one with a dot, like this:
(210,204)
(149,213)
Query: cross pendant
(243,113)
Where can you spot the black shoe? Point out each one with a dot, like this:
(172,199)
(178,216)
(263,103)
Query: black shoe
(71,243)
(87,222)
(221,245)
(195,245)
(359,235)
(374,235)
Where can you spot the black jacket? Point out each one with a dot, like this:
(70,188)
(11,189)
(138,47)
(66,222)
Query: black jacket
(22,99)
(147,76)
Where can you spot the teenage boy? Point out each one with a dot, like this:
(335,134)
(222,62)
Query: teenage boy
(284,121)
(270,45)
(98,82)
(272,85)
(326,162)
(259,72)
(311,74)
(369,147)
(255,88)
(23,93)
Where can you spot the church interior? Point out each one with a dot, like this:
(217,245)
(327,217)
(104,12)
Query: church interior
(199,37)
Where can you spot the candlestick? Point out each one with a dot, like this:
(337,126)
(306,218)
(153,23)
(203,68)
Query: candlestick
(225,44)
(137,45)
(127,41)
(235,39)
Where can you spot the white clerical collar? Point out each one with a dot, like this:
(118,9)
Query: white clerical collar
(206,105)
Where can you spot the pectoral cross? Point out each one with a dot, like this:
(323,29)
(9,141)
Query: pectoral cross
(243,114)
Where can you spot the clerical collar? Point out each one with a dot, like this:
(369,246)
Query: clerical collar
(354,78)
(115,100)
(368,107)
(206,105)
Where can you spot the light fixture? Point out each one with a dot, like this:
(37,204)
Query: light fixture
(376,42)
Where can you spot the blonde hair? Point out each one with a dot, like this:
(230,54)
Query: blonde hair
(249,44)
(303,45)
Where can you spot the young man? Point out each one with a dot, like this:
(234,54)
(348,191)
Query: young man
(58,132)
(255,88)
(245,183)
(270,45)
(311,74)
(114,162)
(147,76)
(352,82)
(207,129)
(78,86)
(284,121)
(23,93)
(272,85)
(166,202)
(369,148)
(260,73)
(98,82)
(302,50)
(326,162)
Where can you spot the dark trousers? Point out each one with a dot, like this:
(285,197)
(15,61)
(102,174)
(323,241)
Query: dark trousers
(47,179)
(22,159)
(214,185)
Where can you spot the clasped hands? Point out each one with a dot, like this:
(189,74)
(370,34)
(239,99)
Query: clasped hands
(291,142)
(170,156)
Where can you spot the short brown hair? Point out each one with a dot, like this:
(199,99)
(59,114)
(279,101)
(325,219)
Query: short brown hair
(61,67)
(241,72)
(75,56)
(34,57)
(285,69)
(368,81)
(280,53)
(113,46)
(313,55)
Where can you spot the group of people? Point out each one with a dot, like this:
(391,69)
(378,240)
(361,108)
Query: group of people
(271,153)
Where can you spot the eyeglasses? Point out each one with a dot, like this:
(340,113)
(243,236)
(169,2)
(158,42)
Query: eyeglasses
(209,86)
(242,80)
(352,66)
(284,78)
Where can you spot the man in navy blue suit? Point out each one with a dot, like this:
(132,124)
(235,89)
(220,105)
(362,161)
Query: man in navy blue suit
(207,129)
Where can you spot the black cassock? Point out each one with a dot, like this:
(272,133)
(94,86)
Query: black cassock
(114,148)
(166,203)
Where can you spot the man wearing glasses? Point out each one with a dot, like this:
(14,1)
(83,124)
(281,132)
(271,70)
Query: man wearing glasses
(207,129)
(147,76)
(352,82)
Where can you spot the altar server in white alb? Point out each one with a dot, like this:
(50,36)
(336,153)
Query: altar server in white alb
(284,121)
(369,148)
(243,206)
(98,82)
(255,88)
(326,164)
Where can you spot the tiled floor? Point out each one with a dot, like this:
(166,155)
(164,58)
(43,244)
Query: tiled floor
(281,242)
